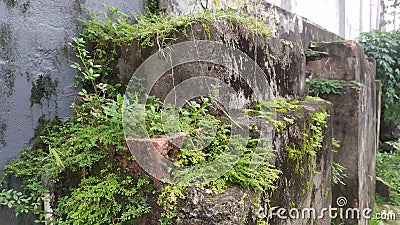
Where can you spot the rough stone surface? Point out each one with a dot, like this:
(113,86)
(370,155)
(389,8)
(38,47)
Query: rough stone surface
(382,188)
(347,19)
(312,189)
(283,64)
(355,119)
(234,206)
(36,80)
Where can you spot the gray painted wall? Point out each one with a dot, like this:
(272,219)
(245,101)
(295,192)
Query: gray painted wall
(36,80)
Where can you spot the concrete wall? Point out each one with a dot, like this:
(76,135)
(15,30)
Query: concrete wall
(36,80)
(345,18)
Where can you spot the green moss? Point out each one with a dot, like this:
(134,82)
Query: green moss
(268,110)
(326,193)
(206,28)
(41,125)
(152,6)
(312,139)
(309,186)
(168,200)
(357,84)
(242,199)
(313,98)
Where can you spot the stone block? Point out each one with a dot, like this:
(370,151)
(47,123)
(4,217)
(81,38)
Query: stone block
(355,119)
(382,188)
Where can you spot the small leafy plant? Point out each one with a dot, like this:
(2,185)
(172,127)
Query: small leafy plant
(109,199)
(317,86)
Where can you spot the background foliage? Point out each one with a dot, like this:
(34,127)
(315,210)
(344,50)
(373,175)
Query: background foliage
(385,48)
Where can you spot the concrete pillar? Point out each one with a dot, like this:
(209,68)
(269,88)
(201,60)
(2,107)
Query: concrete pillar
(355,120)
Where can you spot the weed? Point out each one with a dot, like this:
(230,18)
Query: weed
(312,142)
(317,86)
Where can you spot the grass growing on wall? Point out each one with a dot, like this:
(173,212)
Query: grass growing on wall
(387,167)
(152,30)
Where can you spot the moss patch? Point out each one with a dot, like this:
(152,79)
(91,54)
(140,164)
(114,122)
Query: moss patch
(312,139)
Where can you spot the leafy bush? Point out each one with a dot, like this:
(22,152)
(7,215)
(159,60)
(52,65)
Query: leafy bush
(385,48)
(321,85)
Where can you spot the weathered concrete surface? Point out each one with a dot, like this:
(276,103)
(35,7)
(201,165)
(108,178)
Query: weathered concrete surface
(355,119)
(312,189)
(284,24)
(295,189)
(282,62)
(36,80)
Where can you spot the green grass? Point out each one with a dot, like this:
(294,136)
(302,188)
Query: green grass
(387,168)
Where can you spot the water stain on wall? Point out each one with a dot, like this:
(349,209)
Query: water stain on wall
(10,3)
(43,88)
(35,141)
(23,7)
(6,42)
(3,128)
(7,79)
